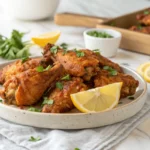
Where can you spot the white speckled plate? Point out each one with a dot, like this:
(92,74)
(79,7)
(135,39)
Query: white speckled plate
(74,119)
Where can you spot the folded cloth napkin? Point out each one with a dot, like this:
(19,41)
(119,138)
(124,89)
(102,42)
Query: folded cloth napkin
(103,138)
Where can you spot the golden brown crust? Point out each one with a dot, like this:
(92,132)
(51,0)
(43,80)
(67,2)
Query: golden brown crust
(129,83)
(61,98)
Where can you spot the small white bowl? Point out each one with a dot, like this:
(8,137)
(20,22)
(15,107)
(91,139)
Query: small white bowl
(29,9)
(108,46)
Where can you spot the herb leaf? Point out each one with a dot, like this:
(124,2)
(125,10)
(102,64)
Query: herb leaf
(34,109)
(139,27)
(33,139)
(97,51)
(79,53)
(14,47)
(67,77)
(76,149)
(111,71)
(24,59)
(47,101)
(41,69)
(131,97)
(64,46)
(1,100)
(54,49)
(59,85)
(146,12)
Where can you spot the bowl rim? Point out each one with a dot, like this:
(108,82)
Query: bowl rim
(102,29)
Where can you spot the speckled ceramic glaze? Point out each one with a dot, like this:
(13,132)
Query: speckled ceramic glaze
(74,119)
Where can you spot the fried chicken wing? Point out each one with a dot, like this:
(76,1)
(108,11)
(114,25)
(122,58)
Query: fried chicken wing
(62,101)
(141,29)
(144,18)
(129,83)
(85,66)
(17,67)
(28,87)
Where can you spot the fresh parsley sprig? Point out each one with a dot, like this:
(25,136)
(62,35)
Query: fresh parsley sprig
(14,47)
(54,49)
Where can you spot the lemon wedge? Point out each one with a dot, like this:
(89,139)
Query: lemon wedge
(98,99)
(43,39)
(141,69)
(147,74)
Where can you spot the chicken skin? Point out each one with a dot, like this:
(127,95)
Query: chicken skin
(142,29)
(28,87)
(129,83)
(61,97)
(81,63)
(144,18)
(17,67)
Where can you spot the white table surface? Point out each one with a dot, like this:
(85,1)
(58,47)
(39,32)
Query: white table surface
(139,139)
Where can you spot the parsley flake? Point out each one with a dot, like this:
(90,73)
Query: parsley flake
(33,139)
(76,149)
(111,71)
(64,46)
(34,109)
(79,53)
(54,49)
(41,69)
(67,77)
(97,51)
(59,85)
(146,12)
(131,98)
(47,101)
(139,27)
(24,59)
(1,100)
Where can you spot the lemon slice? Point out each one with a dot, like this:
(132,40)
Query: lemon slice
(43,39)
(98,99)
(147,74)
(141,69)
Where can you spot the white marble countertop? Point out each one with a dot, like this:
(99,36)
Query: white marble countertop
(140,137)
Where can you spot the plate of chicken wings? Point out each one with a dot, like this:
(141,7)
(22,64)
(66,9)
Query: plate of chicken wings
(36,91)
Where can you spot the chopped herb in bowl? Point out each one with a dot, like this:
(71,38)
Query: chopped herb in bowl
(99,34)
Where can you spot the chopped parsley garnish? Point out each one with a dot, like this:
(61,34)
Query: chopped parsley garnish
(59,85)
(54,49)
(111,71)
(65,51)
(131,98)
(24,59)
(97,51)
(99,34)
(47,101)
(146,12)
(41,69)
(79,53)
(34,109)
(1,100)
(112,24)
(139,27)
(64,46)
(33,139)
(76,149)
(67,77)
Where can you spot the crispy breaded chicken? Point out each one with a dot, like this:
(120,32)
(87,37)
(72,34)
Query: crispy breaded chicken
(28,87)
(83,63)
(62,101)
(129,83)
(141,29)
(17,67)
(144,18)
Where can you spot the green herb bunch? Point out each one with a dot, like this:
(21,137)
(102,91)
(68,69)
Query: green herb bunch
(14,47)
